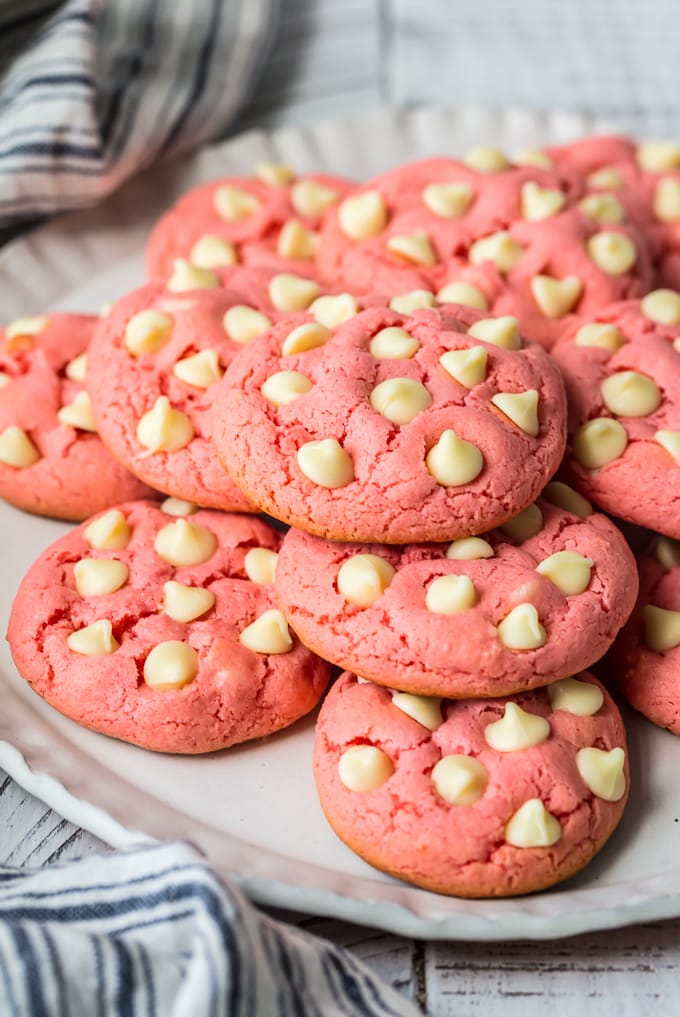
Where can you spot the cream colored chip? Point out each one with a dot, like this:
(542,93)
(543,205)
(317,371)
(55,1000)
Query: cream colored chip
(607,178)
(185,603)
(363,578)
(416,300)
(4,379)
(186,276)
(502,332)
(465,294)
(459,779)
(95,577)
(274,174)
(599,441)
(448,201)
(25,328)
(95,640)
(500,248)
(521,408)
(630,394)
(200,370)
(541,202)
(525,525)
(569,571)
(393,343)
(211,251)
(244,324)
(521,629)
(148,331)
(670,440)
(267,634)
(260,565)
(76,369)
(556,297)
(185,543)
(284,387)
(425,709)
(296,241)
(170,665)
(454,461)
(333,311)
(364,767)
(363,215)
(565,497)
(305,337)
(109,532)
(326,463)
(602,772)
(667,552)
(516,730)
(533,157)
(532,826)
(614,253)
(163,428)
(603,208)
(178,507)
(469,549)
(311,200)
(415,248)
(400,399)
(666,202)
(467,367)
(450,594)
(583,699)
(292,292)
(662,307)
(601,334)
(486,159)
(662,628)
(233,203)
(659,156)
(17,449)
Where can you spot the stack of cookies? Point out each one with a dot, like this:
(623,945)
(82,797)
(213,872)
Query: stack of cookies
(370,366)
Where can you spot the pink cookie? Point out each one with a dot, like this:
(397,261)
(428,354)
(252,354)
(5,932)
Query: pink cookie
(622,371)
(540,599)
(487,798)
(163,630)
(52,460)
(391,427)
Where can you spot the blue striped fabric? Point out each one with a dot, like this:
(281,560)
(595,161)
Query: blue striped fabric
(155,933)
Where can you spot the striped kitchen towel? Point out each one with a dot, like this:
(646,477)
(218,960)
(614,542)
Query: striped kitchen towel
(92,91)
(154,932)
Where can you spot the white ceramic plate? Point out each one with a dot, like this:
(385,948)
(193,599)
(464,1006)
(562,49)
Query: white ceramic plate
(253,809)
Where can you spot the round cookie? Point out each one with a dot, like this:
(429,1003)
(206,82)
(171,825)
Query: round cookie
(537,600)
(487,798)
(52,460)
(622,372)
(162,630)
(391,427)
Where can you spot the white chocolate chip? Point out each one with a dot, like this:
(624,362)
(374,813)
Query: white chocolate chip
(211,251)
(415,248)
(670,440)
(326,463)
(448,201)
(533,157)
(178,507)
(532,826)
(170,665)
(467,367)
(524,525)
(540,202)
(453,461)
(393,343)
(310,199)
(284,387)
(599,441)
(463,293)
(268,634)
(400,399)
(200,370)
(24,328)
(95,640)
(233,204)
(516,730)
(76,369)
(4,379)
(450,594)
(109,532)
(613,252)
(667,199)
(459,779)
(333,311)
(659,156)
(186,276)
(582,699)
(521,629)
(363,215)
(185,543)
(17,449)
(602,772)
(260,565)
(662,628)
(569,571)
(600,334)
(296,241)
(565,497)
(607,178)
(148,331)
(662,307)
(469,549)
(667,552)
(502,332)
(416,300)
(95,577)
(274,174)
(305,337)
(521,408)
(185,603)
(292,292)
(630,394)
(556,297)
(364,767)
(602,208)
(500,248)
(486,159)
(243,324)
(425,709)
(78,413)
(163,428)
(363,578)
